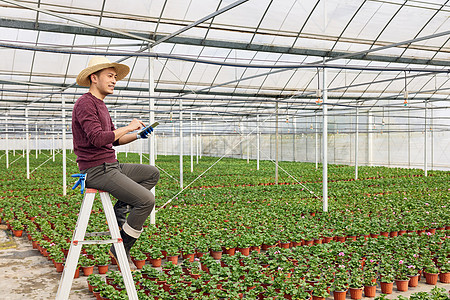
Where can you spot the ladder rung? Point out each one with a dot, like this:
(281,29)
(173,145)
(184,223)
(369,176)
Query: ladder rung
(113,241)
(103,233)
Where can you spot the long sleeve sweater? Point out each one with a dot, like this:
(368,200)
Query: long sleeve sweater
(92,130)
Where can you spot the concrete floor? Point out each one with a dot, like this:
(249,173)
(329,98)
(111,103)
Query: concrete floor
(26,274)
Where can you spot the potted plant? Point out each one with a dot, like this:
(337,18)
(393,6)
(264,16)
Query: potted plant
(102,261)
(444,268)
(431,273)
(87,265)
(155,256)
(356,284)
(369,284)
(172,254)
(401,276)
(340,284)
(320,291)
(138,257)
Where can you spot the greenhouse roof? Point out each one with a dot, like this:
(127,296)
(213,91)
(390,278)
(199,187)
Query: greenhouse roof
(228,60)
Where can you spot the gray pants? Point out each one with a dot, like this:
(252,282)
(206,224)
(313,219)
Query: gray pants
(130,184)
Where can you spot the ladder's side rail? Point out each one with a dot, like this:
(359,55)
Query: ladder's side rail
(120,249)
(65,284)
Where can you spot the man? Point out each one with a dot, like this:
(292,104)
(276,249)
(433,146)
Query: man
(94,136)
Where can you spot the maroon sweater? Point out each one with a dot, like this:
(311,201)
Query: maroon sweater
(92,130)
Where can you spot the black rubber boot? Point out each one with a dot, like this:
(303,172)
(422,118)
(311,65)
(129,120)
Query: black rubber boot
(128,242)
(121,209)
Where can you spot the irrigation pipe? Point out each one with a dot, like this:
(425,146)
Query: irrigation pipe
(16,160)
(226,153)
(162,169)
(217,63)
(310,191)
(41,164)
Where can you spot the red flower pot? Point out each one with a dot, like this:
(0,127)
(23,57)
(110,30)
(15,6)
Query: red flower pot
(155,262)
(413,280)
(402,285)
(431,278)
(370,291)
(444,277)
(244,251)
(102,269)
(386,287)
(356,293)
(339,295)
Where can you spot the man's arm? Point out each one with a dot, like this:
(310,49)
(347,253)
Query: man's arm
(127,138)
(120,134)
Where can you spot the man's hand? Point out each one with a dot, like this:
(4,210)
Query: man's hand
(135,124)
(143,134)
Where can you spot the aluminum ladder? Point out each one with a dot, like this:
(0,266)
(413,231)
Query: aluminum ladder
(78,241)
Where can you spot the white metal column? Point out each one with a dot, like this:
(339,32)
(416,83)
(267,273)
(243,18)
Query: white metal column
(63,119)
(356,142)
(325,142)
(293,138)
(197,139)
(191,140)
(7,143)
(369,138)
(425,160)
(276,142)
(316,137)
(151,108)
(181,143)
(36,141)
(247,137)
(258,138)
(27,143)
(53,140)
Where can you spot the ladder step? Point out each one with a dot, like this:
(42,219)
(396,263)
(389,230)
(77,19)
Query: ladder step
(103,233)
(91,242)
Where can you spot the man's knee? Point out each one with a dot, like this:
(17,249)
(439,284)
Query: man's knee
(148,202)
(155,174)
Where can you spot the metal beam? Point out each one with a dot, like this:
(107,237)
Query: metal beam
(68,29)
(210,16)
(57,15)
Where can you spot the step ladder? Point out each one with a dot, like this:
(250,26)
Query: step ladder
(78,241)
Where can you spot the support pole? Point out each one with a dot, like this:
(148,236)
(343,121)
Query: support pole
(258,138)
(276,142)
(409,138)
(181,143)
(293,139)
(425,161)
(200,142)
(191,140)
(7,143)
(248,144)
(197,139)
(316,133)
(36,141)
(151,108)
(356,143)
(369,139)
(53,140)
(63,119)
(432,138)
(325,142)
(27,143)
(141,145)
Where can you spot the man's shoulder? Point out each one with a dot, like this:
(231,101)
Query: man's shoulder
(85,99)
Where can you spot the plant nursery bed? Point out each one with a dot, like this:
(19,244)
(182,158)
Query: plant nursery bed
(241,235)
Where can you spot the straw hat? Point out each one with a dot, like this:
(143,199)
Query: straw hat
(98,63)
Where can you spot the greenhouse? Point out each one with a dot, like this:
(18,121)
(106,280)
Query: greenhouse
(302,149)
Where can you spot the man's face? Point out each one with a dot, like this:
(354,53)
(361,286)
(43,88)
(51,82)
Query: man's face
(105,80)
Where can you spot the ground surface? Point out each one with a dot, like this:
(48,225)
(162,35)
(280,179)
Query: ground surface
(26,274)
